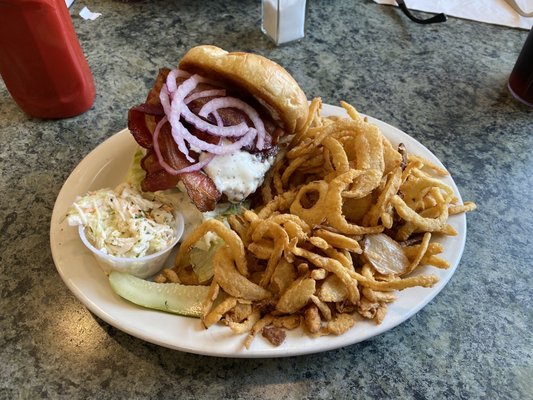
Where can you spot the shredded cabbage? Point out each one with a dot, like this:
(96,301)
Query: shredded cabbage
(123,223)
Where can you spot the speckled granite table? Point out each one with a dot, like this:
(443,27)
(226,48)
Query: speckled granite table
(445,85)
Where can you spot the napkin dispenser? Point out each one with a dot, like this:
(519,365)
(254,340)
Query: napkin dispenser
(283,21)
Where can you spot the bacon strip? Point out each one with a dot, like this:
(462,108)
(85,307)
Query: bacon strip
(200,188)
(141,123)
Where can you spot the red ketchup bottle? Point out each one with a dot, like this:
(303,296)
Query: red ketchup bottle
(41,61)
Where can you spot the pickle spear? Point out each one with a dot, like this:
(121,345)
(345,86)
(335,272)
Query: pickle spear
(170,297)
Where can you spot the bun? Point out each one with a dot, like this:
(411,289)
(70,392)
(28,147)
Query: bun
(270,84)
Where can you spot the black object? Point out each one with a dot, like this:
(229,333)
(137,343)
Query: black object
(436,18)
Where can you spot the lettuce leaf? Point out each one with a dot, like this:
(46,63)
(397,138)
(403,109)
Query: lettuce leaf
(135,173)
(202,260)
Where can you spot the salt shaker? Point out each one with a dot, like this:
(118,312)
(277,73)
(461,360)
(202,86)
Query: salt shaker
(283,21)
(41,61)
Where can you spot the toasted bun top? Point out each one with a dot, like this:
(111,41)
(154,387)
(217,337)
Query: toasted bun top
(270,84)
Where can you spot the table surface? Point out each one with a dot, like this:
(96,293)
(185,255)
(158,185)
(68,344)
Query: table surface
(445,85)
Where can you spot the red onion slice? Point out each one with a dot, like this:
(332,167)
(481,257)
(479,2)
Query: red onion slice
(191,168)
(205,93)
(218,118)
(164,97)
(232,102)
(157,150)
(172,76)
(179,108)
(224,148)
(205,126)
(202,163)
(176,106)
(179,138)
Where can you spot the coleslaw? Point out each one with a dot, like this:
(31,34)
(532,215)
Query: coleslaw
(124,223)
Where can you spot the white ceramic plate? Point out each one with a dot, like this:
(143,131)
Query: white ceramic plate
(106,166)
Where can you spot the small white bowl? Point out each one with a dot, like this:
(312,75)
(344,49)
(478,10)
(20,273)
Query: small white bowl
(142,267)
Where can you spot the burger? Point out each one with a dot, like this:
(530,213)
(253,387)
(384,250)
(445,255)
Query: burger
(214,124)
